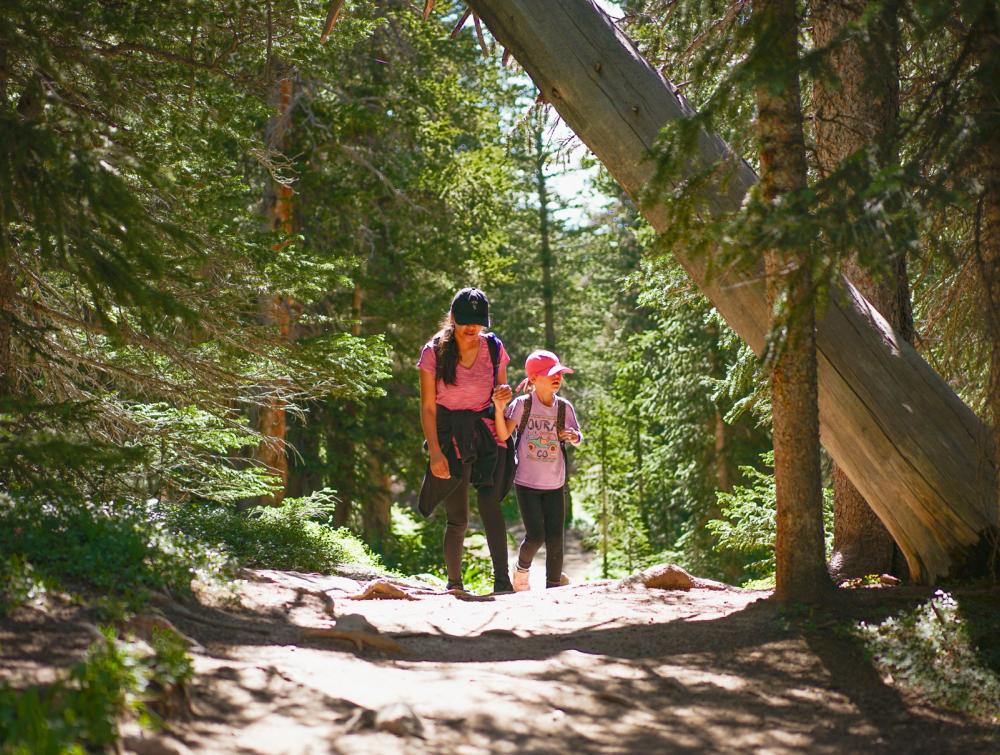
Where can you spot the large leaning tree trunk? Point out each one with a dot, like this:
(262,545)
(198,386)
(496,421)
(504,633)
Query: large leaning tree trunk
(800,562)
(908,443)
(856,109)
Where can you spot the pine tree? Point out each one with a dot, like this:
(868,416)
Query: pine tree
(800,567)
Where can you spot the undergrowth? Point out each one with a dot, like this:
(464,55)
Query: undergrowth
(415,548)
(81,712)
(297,535)
(945,651)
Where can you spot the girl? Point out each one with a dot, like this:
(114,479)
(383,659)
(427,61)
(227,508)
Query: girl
(544,421)
(461,371)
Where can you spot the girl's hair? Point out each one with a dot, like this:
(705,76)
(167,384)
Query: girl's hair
(446,351)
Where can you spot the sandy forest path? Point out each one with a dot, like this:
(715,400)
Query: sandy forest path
(593,667)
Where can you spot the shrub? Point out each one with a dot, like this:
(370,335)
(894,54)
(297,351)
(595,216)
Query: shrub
(117,549)
(81,712)
(296,535)
(748,525)
(930,651)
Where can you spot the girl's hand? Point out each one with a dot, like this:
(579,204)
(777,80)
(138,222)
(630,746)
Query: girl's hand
(502,395)
(439,465)
(570,435)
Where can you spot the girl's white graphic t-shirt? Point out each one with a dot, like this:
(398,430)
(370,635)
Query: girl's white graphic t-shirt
(540,462)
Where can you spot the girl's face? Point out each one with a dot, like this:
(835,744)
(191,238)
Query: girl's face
(547,384)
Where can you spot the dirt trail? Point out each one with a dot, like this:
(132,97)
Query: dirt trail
(587,668)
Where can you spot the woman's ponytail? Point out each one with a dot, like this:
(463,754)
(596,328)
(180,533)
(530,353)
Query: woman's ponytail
(446,351)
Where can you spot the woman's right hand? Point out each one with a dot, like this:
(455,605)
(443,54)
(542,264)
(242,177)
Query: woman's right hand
(439,465)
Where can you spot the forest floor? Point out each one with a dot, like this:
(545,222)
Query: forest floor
(592,667)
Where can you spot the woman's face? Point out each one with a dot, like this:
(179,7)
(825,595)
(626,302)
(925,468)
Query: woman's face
(466,333)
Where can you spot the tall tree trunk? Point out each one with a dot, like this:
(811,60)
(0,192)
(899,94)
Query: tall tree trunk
(7,380)
(800,564)
(986,47)
(906,440)
(276,310)
(544,234)
(858,110)
(377,510)
(723,479)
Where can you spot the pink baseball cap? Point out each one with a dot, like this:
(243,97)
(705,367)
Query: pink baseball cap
(541,362)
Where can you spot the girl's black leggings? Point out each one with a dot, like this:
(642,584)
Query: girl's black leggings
(543,512)
(457,508)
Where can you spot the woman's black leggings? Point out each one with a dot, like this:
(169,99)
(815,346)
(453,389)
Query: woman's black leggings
(457,508)
(543,512)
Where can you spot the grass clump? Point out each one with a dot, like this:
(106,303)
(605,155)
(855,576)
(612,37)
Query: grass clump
(935,651)
(81,712)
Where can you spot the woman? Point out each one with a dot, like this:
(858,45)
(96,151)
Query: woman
(461,370)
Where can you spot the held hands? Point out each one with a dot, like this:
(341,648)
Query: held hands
(570,435)
(502,395)
(439,465)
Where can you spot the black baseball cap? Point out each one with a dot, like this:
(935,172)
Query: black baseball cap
(471,307)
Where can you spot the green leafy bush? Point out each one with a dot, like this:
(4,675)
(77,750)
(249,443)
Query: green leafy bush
(118,549)
(930,650)
(19,583)
(748,525)
(297,535)
(415,548)
(81,712)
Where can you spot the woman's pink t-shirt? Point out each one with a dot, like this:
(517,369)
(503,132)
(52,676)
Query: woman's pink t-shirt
(473,388)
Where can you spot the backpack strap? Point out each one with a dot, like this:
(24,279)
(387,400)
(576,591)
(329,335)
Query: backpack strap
(493,342)
(560,415)
(525,414)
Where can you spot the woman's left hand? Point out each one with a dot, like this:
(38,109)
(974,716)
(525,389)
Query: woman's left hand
(570,435)
(502,395)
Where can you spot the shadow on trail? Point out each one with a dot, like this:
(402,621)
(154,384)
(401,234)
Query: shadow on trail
(757,678)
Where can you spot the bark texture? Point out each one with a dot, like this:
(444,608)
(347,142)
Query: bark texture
(902,435)
(276,310)
(856,108)
(800,562)
(544,234)
(986,47)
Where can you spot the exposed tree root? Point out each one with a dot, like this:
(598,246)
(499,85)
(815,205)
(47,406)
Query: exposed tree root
(359,639)
(382,589)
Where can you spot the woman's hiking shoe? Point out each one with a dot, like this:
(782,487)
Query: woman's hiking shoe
(502,586)
(457,585)
(563,581)
(521,579)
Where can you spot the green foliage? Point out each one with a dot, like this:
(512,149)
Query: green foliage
(117,549)
(19,583)
(931,650)
(747,523)
(295,535)
(192,457)
(81,712)
(414,546)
